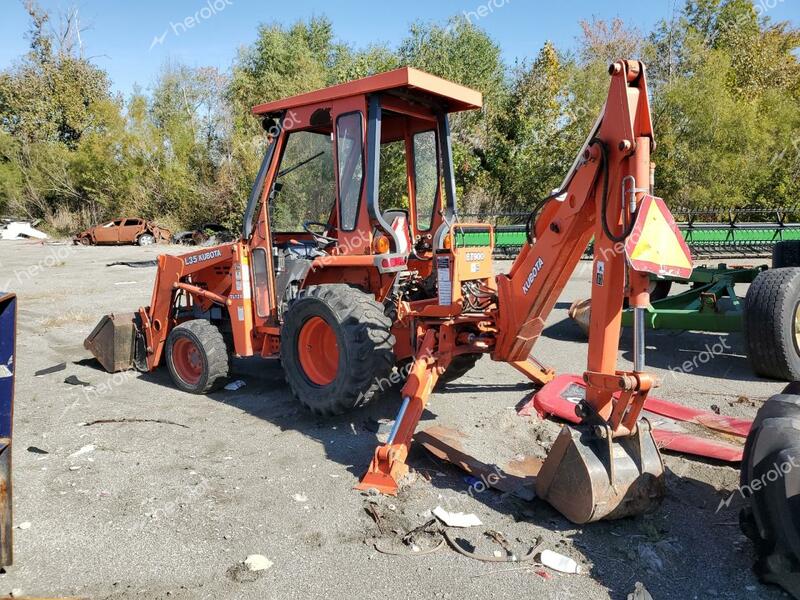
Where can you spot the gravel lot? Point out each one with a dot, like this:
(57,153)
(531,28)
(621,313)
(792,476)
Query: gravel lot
(171,509)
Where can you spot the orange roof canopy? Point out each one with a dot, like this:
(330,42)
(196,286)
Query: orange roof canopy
(454,96)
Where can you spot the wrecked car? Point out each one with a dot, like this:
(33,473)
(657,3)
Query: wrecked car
(208,234)
(124,231)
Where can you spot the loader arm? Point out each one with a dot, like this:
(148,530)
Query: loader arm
(225,273)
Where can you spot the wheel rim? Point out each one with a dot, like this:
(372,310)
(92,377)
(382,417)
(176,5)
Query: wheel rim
(797,327)
(318,351)
(187,360)
(146,240)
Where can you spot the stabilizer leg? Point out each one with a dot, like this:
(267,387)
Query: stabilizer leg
(388,466)
(535,371)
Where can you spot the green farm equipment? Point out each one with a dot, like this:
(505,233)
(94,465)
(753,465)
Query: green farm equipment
(709,233)
(710,303)
(768,315)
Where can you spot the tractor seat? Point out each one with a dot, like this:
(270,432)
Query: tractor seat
(303,249)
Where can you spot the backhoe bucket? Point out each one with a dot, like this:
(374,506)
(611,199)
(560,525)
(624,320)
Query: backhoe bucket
(587,477)
(113,341)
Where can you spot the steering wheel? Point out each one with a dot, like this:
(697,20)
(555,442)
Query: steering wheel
(319,236)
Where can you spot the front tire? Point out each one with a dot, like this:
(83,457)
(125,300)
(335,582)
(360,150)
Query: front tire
(772,324)
(336,348)
(197,356)
(146,239)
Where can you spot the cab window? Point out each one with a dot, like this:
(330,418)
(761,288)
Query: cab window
(304,187)
(426,177)
(350,156)
(393,179)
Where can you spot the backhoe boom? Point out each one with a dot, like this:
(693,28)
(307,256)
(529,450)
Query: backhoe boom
(584,475)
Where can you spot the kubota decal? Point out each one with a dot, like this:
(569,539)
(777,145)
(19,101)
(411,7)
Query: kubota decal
(196,258)
(537,266)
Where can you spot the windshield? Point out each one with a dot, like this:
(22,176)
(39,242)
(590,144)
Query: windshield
(304,186)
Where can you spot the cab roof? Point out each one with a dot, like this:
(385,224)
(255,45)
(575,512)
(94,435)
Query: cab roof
(454,97)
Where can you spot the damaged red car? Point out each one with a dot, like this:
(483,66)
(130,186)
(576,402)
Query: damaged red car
(123,231)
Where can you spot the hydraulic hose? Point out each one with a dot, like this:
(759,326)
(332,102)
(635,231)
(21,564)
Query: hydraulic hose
(603,216)
(532,217)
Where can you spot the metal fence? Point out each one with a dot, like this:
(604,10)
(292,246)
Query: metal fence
(713,232)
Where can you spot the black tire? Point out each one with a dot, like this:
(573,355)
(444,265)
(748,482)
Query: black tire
(459,367)
(786,254)
(364,341)
(213,355)
(771,483)
(659,289)
(785,404)
(146,239)
(770,311)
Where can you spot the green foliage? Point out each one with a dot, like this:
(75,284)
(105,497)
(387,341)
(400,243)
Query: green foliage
(724,80)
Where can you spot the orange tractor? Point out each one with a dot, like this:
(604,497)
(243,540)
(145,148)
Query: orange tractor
(352,260)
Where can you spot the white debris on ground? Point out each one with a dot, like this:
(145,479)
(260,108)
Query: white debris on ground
(20,230)
(235,385)
(456,519)
(257,562)
(88,448)
(559,562)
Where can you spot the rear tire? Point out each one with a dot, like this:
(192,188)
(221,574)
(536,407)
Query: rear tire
(786,254)
(197,356)
(772,520)
(146,239)
(772,324)
(336,348)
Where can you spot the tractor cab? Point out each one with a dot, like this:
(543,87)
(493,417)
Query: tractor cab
(353,199)
(356,182)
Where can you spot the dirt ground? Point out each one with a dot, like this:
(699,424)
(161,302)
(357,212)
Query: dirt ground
(168,501)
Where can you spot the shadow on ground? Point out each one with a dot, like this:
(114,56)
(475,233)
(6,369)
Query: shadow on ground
(652,548)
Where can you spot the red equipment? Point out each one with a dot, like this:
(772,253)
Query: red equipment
(609,466)
(386,273)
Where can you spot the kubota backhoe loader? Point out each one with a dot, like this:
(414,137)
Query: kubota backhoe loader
(384,272)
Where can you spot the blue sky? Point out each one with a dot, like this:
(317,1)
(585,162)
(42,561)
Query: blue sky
(120,33)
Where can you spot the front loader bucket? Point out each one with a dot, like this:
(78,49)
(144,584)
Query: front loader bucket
(587,478)
(113,341)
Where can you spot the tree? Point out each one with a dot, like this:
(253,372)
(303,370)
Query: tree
(464,54)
